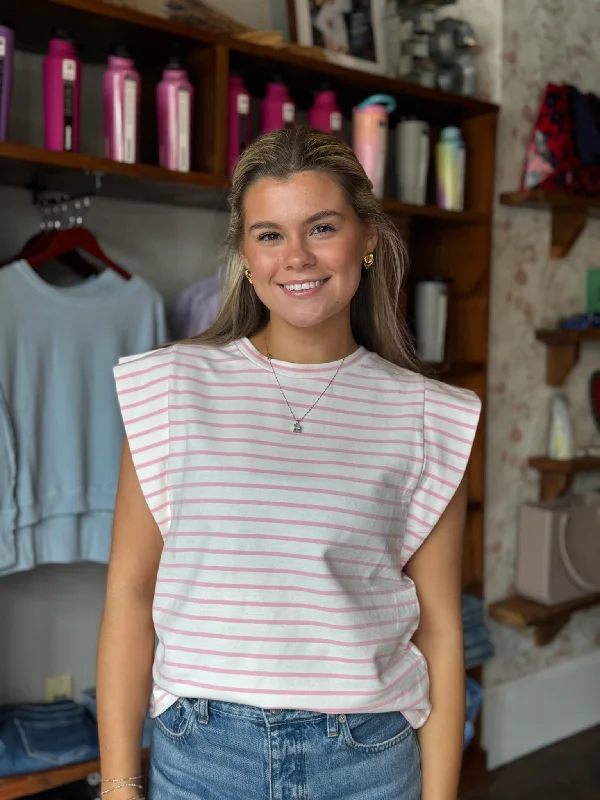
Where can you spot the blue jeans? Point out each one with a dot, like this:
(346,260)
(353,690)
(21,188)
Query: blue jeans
(212,750)
(40,736)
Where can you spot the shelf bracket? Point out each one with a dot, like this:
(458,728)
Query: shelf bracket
(567,226)
(547,632)
(560,360)
(555,484)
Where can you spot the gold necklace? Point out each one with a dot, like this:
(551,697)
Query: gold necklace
(299,420)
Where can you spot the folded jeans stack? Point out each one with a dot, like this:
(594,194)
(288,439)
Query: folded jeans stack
(42,736)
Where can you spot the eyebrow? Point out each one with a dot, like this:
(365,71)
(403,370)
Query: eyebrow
(327,213)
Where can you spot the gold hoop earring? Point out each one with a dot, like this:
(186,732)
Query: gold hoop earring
(248,275)
(368,261)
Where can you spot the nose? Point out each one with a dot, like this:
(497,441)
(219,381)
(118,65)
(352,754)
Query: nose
(298,254)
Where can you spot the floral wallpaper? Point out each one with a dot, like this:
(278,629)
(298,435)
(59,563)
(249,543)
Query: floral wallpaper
(542,40)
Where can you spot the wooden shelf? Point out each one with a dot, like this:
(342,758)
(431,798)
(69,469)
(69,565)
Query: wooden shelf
(562,352)
(34,782)
(74,173)
(396,207)
(547,621)
(569,214)
(557,476)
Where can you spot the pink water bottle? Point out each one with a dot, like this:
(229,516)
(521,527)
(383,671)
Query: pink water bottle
(370,137)
(277,109)
(62,94)
(174,99)
(7,58)
(325,114)
(239,122)
(121,107)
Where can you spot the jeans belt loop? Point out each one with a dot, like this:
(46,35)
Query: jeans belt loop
(202,711)
(332,725)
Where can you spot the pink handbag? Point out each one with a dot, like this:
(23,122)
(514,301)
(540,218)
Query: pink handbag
(558,556)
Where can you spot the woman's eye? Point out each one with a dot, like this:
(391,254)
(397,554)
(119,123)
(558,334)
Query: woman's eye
(323,229)
(268,237)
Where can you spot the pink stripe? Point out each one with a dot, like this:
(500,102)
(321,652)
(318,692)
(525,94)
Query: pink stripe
(279,538)
(274,521)
(430,509)
(272,488)
(264,604)
(273,401)
(269,385)
(299,692)
(270,674)
(145,401)
(278,639)
(474,412)
(265,429)
(432,477)
(292,474)
(283,459)
(433,494)
(227,440)
(274,504)
(276,553)
(458,423)
(156,701)
(424,523)
(141,388)
(380,623)
(274,571)
(250,412)
(445,465)
(173,363)
(266,587)
(283,656)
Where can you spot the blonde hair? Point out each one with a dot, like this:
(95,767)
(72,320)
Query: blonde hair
(374,309)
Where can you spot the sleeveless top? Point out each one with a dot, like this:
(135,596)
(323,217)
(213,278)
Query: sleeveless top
(281,579)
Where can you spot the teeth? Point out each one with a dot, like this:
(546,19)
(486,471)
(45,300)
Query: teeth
(298,287)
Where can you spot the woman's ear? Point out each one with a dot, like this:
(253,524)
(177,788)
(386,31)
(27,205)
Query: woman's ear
(372,239)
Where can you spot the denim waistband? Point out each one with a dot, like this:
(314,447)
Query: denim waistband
(270,716)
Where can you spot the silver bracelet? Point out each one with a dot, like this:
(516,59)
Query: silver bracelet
(120,780)
(121,786)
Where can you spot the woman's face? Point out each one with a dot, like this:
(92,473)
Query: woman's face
(304,247)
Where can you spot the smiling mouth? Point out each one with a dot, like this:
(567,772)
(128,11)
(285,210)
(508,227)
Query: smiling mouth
(303,287)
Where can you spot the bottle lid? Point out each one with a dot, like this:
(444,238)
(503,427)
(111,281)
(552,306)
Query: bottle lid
(120,51)
(60,33)
(451,134)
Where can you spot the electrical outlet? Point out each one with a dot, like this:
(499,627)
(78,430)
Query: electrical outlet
(59,687)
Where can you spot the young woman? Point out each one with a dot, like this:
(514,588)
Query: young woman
(289,519)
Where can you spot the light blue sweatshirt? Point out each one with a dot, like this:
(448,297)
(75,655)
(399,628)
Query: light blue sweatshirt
(60,427)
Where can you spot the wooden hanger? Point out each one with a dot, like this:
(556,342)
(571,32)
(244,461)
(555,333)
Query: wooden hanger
(64,245)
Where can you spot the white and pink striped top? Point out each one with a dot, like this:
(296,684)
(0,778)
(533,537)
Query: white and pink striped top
(280,583)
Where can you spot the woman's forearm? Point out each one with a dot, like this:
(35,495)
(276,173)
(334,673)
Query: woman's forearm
(125,654)
(441,738)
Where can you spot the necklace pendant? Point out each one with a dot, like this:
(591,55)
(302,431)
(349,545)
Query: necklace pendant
(297,427)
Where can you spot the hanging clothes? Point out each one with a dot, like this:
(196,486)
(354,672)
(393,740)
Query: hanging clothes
(197,308)
(60,428)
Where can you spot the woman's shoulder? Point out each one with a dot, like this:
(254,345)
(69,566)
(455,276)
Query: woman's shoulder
(177,354)
(435,392)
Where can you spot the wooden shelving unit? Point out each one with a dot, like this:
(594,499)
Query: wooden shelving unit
(562,353)
(569,214)
(547,621)
(456,245)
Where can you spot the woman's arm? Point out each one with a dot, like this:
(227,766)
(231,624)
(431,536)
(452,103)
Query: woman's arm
(436,569)
(126,644)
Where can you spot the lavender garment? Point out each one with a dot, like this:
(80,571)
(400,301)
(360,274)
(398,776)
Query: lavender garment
(197,308)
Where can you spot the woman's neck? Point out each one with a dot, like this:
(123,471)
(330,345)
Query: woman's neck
(330,341)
